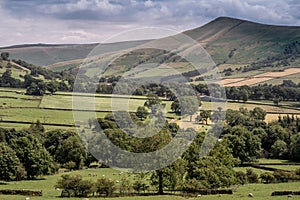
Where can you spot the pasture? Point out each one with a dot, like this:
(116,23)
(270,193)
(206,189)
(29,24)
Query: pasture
(57,109)
(47,185)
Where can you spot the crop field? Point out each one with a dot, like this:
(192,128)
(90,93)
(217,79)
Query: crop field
(259,78)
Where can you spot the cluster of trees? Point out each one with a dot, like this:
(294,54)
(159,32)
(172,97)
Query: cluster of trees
(250,137)
(32,152)
(287,91)
(32,82)
(29,153)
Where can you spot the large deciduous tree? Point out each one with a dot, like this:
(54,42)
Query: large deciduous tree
(34,157)
(9,162)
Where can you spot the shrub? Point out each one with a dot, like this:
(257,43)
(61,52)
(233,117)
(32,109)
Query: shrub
(139,186)
(252,176)
(105,186)
(241,178)
(74,186)
(267,177)
(193,186)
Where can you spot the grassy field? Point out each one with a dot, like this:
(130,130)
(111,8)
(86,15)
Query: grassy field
(57,109)
(47,185)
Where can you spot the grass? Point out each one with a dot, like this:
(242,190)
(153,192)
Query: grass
(272,161)
(24,108)
(285,167)
(244,169)
(260,191)
(103,103)
(45,116)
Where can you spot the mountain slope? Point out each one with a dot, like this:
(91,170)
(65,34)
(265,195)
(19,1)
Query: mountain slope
(230,42)
(238,41)
(44,54)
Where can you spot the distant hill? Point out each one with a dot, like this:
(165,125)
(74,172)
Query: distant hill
(236,46)
(239,41)
(47,54)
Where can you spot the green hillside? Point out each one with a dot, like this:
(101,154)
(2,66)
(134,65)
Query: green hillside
(246,41)
(236,46)
(44,54)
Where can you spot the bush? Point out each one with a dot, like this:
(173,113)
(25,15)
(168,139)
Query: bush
(139,186)
(284,176)
(74,186)
(193,186)
(241,178)
(105,186)
(70,165)
(297,172)
(252,176)
(267,177)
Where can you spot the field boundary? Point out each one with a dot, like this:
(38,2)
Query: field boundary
(21,192)
(46,124)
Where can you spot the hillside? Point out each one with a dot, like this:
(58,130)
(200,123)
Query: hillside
(246,41)
(45,54)
(239,48)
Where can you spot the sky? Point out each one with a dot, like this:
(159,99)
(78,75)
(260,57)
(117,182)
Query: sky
(93,21)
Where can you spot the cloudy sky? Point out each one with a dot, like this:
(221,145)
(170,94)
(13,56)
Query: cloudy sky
(87,21)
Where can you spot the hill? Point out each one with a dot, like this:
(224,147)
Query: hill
(240,48)
(47,54)
(237,41)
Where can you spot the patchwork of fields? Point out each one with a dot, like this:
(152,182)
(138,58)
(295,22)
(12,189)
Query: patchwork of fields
(18,111)
(260,78)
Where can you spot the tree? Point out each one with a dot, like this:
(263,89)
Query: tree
(244,144)
(189,105)
(277,100)
(243,95)
(34,157)
(9,162)
(204,116)
(171,177)
(38,126)
(152,102)
(295,147)
(52,86)
(37,89)
(142,112)
(175,106)
(279,149)
(213,171)
(258,113)
(274,132)
(71,150)
(5,56)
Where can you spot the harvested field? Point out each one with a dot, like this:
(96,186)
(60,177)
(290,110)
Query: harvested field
(259,78)
(286,72)
(250,81)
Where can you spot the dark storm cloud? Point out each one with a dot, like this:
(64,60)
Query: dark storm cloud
(77,20)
